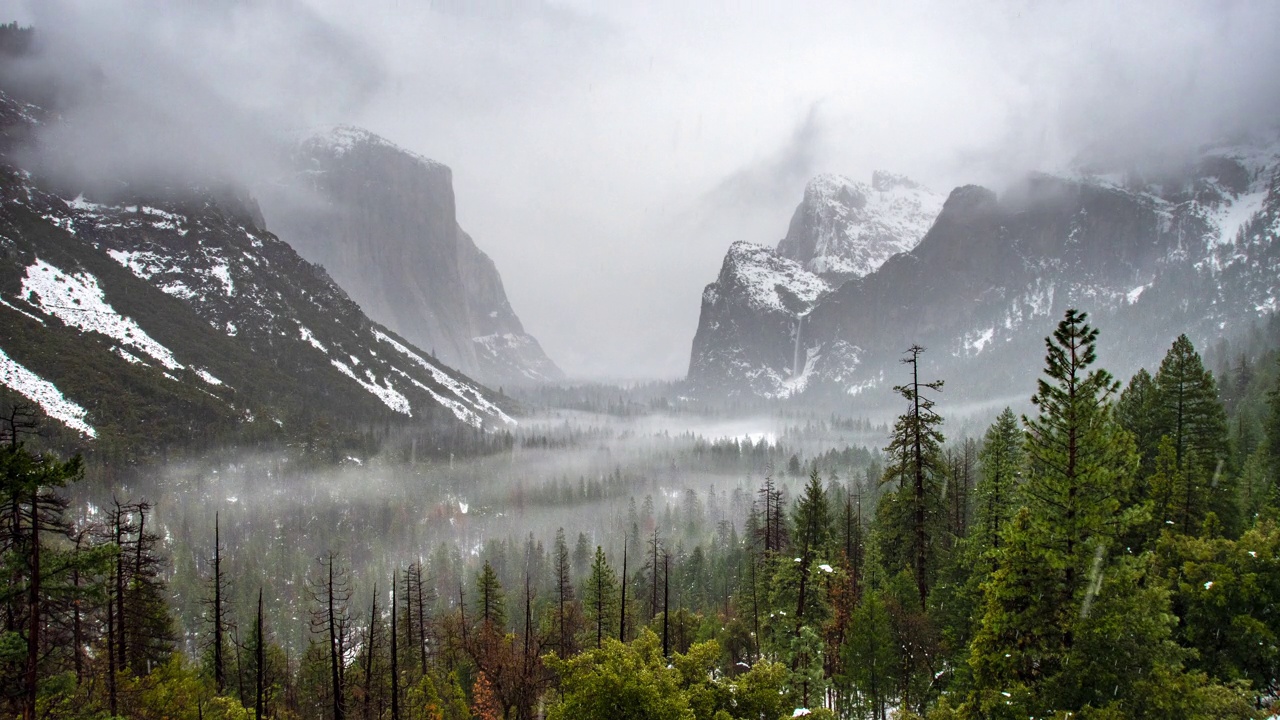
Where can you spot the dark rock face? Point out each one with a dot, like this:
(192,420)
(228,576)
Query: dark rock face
(383,222)
(1195,252)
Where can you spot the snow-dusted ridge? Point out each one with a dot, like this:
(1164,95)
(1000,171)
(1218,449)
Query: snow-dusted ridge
(1189,247)
(342,139)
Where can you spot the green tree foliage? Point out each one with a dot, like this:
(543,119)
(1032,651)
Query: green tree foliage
(1273,440)
(1224,592)
(1137,411)
(1080,463)
(42,563)
(1002,462)
(600,598)
(621,682)
(870,659)
(1069,625)
(1188,412)
(491,605)
(797,594)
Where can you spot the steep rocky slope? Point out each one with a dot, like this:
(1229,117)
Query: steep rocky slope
(154,316)
(383,222)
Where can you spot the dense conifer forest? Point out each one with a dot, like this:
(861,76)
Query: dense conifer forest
(1111,553)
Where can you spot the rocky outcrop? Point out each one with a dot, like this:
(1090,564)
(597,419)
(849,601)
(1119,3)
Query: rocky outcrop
(383,222)
(751,329)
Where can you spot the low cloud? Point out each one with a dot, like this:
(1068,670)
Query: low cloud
(582,137)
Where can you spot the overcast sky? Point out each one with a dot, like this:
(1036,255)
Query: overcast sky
(605,155)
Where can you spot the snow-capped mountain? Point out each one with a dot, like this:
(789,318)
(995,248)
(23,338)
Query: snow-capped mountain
(844,229)
(1193,250)
(170,314)
(761,300)
(382,221)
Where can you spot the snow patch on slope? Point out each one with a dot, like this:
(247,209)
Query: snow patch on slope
(342,139)
(45,394)
(78,301)
(385,393)
(467,394)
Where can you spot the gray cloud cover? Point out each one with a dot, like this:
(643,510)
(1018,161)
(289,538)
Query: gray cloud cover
(606,154)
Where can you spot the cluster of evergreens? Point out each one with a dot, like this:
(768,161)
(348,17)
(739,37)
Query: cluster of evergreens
(1113,554)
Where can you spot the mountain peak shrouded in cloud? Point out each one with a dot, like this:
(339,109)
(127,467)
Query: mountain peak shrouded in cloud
(163,94)
(583,138)
(843,228)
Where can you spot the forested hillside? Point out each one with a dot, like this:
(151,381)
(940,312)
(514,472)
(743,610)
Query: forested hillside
(1113,553)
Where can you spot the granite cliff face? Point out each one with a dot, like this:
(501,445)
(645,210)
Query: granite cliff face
(1194,250)
(760,302)
(382,221)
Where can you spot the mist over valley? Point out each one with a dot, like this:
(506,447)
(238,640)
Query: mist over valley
(511,361)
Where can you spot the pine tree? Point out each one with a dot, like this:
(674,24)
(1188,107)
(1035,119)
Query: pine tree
(600,597)
(1002,460)
(1137,411)
(1080,462)
(564,596)
(1273,439)
(870,654)
(812,522)
(1189,413)
(1068,623)
(581,556)
(485,704)
(915,454)
(960,462)
(1020,641)
(151,635)
(490,603)
(36,568)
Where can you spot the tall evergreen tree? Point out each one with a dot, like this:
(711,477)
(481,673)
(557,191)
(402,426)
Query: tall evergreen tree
(36,568)
(870,653)
(1002,459)
(812,521)
(564,595)
(1273,438)
(1137,411)
(915,454)
(1068,624)
(1080,463)
(1189,413)
(491,606)
(600,598)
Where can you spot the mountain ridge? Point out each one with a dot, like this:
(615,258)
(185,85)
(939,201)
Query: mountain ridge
(154,317)
(1194,252)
